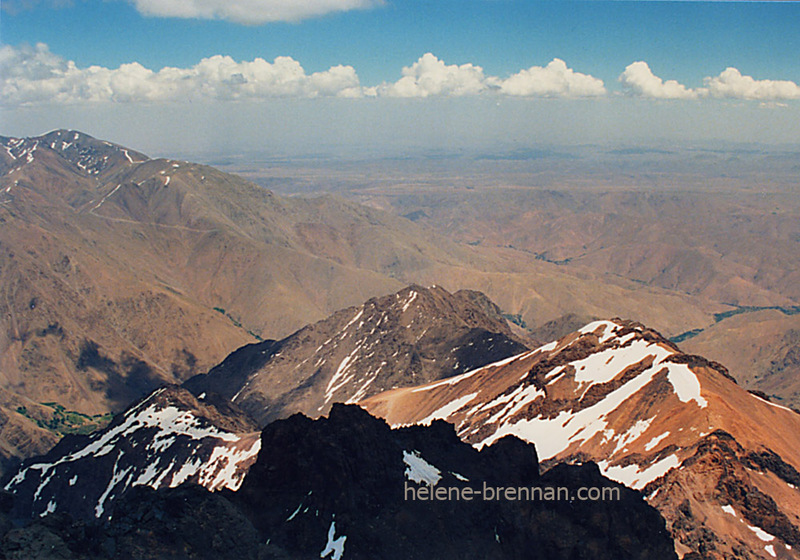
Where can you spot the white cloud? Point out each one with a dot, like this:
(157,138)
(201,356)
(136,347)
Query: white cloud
(555,79)
(34,75)
(732,84)
(640,80)
(249,12)
(430,76)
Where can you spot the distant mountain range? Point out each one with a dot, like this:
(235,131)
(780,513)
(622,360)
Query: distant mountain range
(120,273)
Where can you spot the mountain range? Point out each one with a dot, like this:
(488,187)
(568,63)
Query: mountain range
(411,337)
(120,272)
(719,463)
(182,353)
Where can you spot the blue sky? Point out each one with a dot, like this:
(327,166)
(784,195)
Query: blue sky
(344,61)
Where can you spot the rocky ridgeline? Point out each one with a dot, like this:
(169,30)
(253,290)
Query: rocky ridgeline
(348,486)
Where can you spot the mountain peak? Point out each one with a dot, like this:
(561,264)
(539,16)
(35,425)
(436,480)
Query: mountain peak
(411,337)
(86,154)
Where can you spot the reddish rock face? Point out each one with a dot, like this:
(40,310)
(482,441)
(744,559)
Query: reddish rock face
(674,425)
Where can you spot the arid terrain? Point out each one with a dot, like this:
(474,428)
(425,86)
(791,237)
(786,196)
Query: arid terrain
(720,225)
(121,272)
(479,290)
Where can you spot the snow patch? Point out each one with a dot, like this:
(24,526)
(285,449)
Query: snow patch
(295,512)
(609,330)
(106,196)
(549,347)
(634,477)
(761,533)
(599,368)
(410,300)
(51,507)
(685,383)
(419,470)
(353,320)
(771,403)
(729,510)
(655,441)
(448,409)
(633,433)
(334,546)
(339,379)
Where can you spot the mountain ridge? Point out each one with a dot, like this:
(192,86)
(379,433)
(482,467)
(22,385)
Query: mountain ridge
(622,395)
(351,475)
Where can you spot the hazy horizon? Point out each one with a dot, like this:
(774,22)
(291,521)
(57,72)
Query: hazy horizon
(387,78)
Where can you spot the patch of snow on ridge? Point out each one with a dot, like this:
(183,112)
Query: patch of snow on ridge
(339,378)
(634,476)
(410,300)
(419,470)
(450,408)
(655,441)
(685,383)
(633,433)
(609,330)
(354,319)
(771,403)
(729,510)
(461,377)
(601,368)
(554,435)
(761,533)
(519,398)
(550,346)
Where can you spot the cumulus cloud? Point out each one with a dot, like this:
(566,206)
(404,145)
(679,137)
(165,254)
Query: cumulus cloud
(555,79)
(640,80)
(31,75)
(430,76)
(732,84)
(249,12)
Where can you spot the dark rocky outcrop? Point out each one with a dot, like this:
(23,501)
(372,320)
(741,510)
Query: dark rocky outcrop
(348,486)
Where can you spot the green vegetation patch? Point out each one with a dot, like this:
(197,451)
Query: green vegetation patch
(63,421)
